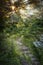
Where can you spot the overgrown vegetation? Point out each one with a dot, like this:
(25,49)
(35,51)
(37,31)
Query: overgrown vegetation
(13,26)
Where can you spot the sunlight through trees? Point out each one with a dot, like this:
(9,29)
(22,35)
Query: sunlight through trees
(21,32)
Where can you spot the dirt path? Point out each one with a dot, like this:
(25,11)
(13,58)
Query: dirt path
(26,51)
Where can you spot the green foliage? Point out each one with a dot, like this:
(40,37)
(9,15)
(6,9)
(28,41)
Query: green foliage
(30,29)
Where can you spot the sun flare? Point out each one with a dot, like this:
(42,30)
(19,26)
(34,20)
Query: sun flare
(12,7)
